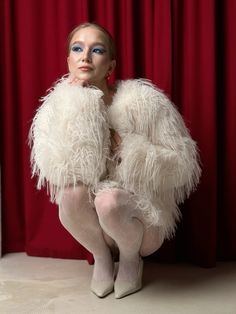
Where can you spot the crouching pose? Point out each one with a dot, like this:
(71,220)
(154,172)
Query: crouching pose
(117,160)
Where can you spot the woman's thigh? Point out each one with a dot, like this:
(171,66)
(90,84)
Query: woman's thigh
(152,240)
(152,237)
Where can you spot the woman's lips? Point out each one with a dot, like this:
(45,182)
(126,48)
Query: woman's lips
(85,69)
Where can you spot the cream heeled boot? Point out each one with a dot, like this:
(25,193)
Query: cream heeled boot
(124,288)
(102,287)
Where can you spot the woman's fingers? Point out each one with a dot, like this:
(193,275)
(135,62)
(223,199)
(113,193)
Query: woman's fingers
(73,80)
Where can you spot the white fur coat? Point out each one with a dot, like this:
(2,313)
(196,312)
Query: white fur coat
(70,141)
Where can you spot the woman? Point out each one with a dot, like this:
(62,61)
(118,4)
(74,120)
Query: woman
(117,160)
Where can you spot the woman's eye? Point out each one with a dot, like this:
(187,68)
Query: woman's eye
(98,50)
(76,48)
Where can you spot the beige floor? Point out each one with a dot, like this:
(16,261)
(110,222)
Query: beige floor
(33,285)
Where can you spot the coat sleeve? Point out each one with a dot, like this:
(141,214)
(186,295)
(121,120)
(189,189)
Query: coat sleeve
(157,152)
(69,137)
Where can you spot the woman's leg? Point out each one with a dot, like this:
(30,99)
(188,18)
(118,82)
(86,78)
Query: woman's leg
(123,223)
(79,217)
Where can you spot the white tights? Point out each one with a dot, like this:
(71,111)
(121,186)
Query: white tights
(118,218)
(114,214)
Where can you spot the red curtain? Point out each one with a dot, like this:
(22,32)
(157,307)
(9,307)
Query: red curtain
(186,47)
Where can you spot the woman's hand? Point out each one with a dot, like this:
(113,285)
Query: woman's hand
(73,80)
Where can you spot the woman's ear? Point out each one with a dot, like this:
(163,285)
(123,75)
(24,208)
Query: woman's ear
(112,66)
(68,63)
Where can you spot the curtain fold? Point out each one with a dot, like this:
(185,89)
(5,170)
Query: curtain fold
(186,48)
(226,48)
(194,90)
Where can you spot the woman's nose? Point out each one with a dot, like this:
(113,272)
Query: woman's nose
(86,56)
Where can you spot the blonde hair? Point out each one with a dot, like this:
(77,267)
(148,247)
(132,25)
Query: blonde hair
(110,41)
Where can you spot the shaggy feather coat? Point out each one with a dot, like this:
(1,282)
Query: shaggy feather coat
(158,160)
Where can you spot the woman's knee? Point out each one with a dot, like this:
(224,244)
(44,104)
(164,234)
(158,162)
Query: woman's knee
(107,203)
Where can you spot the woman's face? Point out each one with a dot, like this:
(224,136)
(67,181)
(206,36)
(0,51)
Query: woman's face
(89,57)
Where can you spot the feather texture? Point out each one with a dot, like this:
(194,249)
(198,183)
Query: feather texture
(159,165)
(159,160)
(70,137)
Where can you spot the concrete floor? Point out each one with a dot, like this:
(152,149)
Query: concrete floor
(33,285)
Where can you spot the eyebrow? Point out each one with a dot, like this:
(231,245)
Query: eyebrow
(94,44)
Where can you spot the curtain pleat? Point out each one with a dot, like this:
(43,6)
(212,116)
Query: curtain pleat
(194,91)
(226,48)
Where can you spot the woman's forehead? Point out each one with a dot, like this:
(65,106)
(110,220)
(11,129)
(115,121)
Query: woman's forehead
(90,34)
